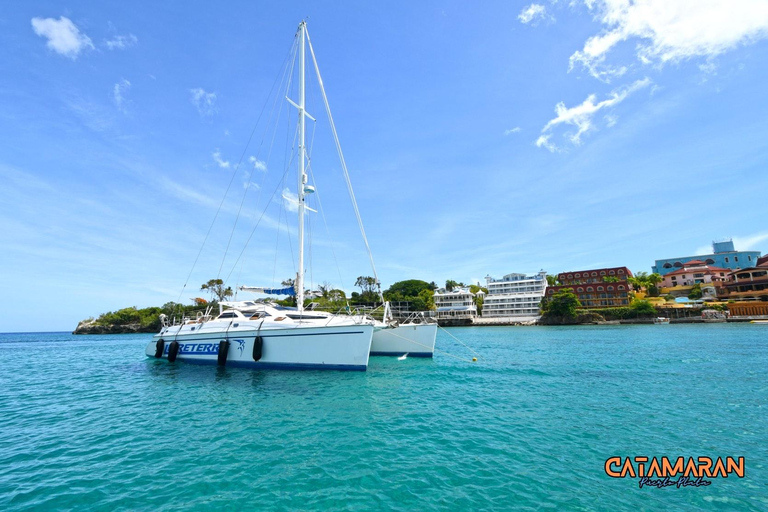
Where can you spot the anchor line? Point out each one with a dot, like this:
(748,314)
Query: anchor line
(427,346)
(457,339)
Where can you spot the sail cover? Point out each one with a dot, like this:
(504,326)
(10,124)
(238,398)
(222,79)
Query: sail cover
(270,291)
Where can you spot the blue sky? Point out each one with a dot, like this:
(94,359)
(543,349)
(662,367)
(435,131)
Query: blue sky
(480,138)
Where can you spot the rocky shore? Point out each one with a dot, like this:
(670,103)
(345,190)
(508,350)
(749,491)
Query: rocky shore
(91,327)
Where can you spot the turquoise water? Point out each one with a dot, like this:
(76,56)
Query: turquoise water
(87,422)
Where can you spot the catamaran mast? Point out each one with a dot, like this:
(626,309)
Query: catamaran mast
(302,170)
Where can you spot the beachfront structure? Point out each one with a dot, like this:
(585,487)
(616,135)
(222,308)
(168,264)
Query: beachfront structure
(748,283)
(455,306)
(724,255)
(695,272)
(514,295)
(596,288)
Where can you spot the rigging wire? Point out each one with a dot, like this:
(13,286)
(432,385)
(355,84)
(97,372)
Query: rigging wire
(221,204)
(343,163)
(250,173)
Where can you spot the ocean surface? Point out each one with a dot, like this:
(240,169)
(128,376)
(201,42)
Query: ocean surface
(90,423)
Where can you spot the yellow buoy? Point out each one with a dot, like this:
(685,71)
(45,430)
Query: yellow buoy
(474,359)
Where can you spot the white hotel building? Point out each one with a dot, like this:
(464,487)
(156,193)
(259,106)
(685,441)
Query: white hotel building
(514,295)
(457,305)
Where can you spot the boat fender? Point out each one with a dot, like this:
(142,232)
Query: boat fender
(223,351)
(173,350)
(159,347)
(258,346)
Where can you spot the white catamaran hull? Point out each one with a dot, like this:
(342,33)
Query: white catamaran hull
(417,340)
(326,348)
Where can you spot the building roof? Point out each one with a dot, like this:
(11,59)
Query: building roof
(707,268)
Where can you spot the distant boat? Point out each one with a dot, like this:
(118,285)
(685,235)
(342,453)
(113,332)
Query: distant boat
(415,336)
(661,320)
(257,335)
(759,322)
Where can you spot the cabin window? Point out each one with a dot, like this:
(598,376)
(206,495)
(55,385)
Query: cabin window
(227,315)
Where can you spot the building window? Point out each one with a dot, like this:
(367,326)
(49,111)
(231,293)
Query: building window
(580,289)
(612,272)
(590,289)
(678,264)
(735,258)
(621,287)
(602,272)
(709,261)
(667,265)
(726,259)
(570,276)
(749,258)
(599,288)
(610,288)
(594,273)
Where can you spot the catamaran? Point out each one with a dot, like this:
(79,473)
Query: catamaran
(262,336)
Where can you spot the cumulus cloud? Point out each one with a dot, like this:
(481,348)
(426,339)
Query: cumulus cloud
(224,164)
(670,31)
(516,129)
(118,93)
(63,36)
(121,42)
(533,14)
(581,116)
(204,101)
(258,164)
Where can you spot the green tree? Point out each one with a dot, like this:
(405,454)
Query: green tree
(643,307)
(695,292)
(563,303)
(410,288)
(552,280)
(450,284)
(217,290)
(368,286)
(610,279)
(653,284)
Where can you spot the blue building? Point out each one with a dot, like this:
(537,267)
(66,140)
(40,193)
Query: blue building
(724,255)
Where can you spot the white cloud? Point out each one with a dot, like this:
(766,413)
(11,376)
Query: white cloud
(749,242)
(610,120)
(63,36)
(258,164)
(204,101)
(224,164)
(118,93)
(543,142)
(516,129)
(533,14)
(290,200)
(121,42)
(670,31)
(581,116)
